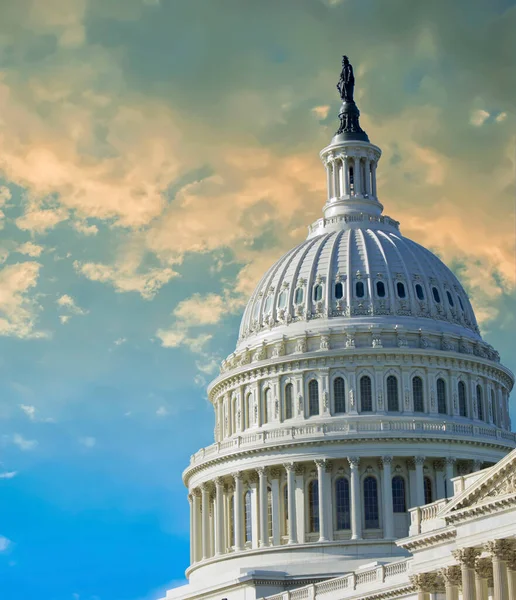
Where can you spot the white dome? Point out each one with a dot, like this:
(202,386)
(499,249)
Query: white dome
(363,270)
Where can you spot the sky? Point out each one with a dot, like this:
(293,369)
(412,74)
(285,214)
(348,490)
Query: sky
(155,158)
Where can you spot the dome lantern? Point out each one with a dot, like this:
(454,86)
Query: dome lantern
(350,159)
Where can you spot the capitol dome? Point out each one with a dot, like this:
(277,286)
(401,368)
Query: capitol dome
(359,387)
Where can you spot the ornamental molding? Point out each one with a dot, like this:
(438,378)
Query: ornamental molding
(426,540)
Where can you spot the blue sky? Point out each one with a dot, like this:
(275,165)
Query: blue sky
(155,158)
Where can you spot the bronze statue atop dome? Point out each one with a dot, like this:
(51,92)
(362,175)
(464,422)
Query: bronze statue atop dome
(346,83)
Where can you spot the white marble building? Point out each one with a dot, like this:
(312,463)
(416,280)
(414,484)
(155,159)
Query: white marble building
(359,388)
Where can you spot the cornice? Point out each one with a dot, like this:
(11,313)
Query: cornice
(425,540)
(374,438)
(491,506)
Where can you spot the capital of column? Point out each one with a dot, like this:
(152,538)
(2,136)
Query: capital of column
(467,556)
(500,549)
(324,464)
(219,482)
(451,575)
(427,582)
(386,460)
(438,465)
(289,466)
(275,473)
(190,498)
(354,461)
(262,472)
(205,487)
(511,561)
(420,460)
(450,460)
(237,475)
(196,492)
(299,469)
(484,569)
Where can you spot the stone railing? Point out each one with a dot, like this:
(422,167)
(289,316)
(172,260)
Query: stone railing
(388,428)
(424,518)
(358,218)
(379,576)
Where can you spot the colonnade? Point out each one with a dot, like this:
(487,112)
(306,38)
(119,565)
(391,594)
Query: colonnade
(351,176)
(314,502)
(484,572)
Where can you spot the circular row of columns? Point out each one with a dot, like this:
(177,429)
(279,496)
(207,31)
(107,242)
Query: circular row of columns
(338,179)
(483,572)
(200,499)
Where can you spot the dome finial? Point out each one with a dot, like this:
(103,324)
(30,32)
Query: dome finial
(349,114)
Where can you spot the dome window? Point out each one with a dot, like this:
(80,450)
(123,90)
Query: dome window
(256,310)
(436,295)
(317,292)
(419,292)
(400,288)
(380,289)
(282,300)
(450,299)
(359,289)
(339,290)
(268,304)
(298,296)
(460,302)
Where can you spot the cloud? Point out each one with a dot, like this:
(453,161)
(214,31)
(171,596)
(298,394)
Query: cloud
(162,412)
(8,474)
(478,117)
(22,443)
(41,220)
(120,341)
(18,311)
(321,112)
(30,249)
(67,302)
(84,228)
(5,543)
(30,411)
(88,441)
(5,195)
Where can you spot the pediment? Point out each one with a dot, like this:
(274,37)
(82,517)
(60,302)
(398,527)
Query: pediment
(497,482)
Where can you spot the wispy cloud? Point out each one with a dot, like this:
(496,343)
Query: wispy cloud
(23,443)
(5,543)
(8,474)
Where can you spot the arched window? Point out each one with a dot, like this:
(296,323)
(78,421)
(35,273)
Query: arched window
(342,505)
(269,512)
(285,510)
(441,397)
(480,404)
(400,288)
(392,393)
(265,408)
(419,292)
(371,518)
(248,410)
(450,299)
(436,295)
(339,290)
(282,300)
(463,410)
(313,506)
(351,179)
(417,393)
(317,292)
(399,503)
(429,496)
(298,296)
(313,398)
(359,289)
(366,395)
(339,395)
(380,289)
(268,304)
(288,400)
(248,517)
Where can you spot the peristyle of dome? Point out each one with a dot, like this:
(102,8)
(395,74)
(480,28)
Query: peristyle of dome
(359,387)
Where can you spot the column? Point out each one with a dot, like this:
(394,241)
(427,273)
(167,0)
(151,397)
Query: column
(205,520)
(356,505)
(440,477)
(367,169)
(192,536)
(238,512)
(345,166)
(336,191)
(357,177)
(329,177)
(450,474)
(511,575)
(500,551)
(483,576)
(427,584)
(452,581)
(323,500)
(255,521)
(467,557)
(219,516)
(420,482)
(291,503)
(373,179)
(263,504)
(299,471)
(276,519)
(388,515)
